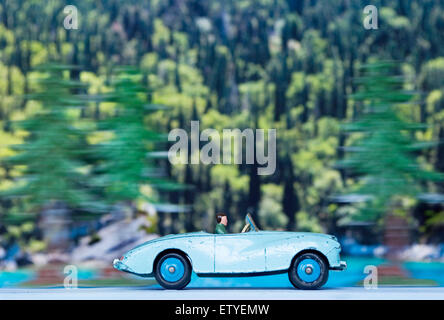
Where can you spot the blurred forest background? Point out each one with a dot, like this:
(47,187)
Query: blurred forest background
(85,141)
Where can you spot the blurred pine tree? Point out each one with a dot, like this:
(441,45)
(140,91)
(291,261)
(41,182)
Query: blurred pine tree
(50,159)
(129,157)
(384,155)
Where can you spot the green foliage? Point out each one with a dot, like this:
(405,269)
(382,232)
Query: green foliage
(125,159)
(383,156)
(270,212)
(51,158)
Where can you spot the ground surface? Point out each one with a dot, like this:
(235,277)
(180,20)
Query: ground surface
(156,293)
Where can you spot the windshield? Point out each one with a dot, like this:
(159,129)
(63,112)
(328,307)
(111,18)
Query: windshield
(250,222)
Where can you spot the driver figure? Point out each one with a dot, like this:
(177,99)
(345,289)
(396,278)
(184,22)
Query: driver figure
(222,222)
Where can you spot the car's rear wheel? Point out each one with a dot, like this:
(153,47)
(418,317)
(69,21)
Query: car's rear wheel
(173,271)
(308,271)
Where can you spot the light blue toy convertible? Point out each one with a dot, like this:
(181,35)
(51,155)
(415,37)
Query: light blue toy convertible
(306,257)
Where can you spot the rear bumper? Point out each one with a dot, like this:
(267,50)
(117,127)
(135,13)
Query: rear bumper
(342,266)
(119,265)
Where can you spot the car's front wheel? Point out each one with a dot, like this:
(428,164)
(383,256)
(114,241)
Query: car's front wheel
(173,271)
(308,271)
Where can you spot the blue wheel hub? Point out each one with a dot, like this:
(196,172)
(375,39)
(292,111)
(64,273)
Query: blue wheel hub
(172,269)
(309,270)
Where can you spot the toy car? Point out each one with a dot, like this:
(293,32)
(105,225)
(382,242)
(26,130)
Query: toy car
(306,257)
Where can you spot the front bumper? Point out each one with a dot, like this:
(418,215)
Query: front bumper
(342,266)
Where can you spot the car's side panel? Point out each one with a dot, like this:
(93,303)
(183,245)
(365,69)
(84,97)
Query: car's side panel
(198,247)
(282,250)
(240,253)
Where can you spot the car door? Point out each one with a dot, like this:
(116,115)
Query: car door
(239,253)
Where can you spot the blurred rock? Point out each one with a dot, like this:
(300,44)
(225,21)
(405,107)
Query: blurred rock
(8,265)
(39,259)
(421,252)
(57,257)
(116,238)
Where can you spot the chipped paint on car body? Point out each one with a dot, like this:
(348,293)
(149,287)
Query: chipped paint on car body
(235,253)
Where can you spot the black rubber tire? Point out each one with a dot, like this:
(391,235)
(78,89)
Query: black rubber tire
(182,282)
(301,284)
